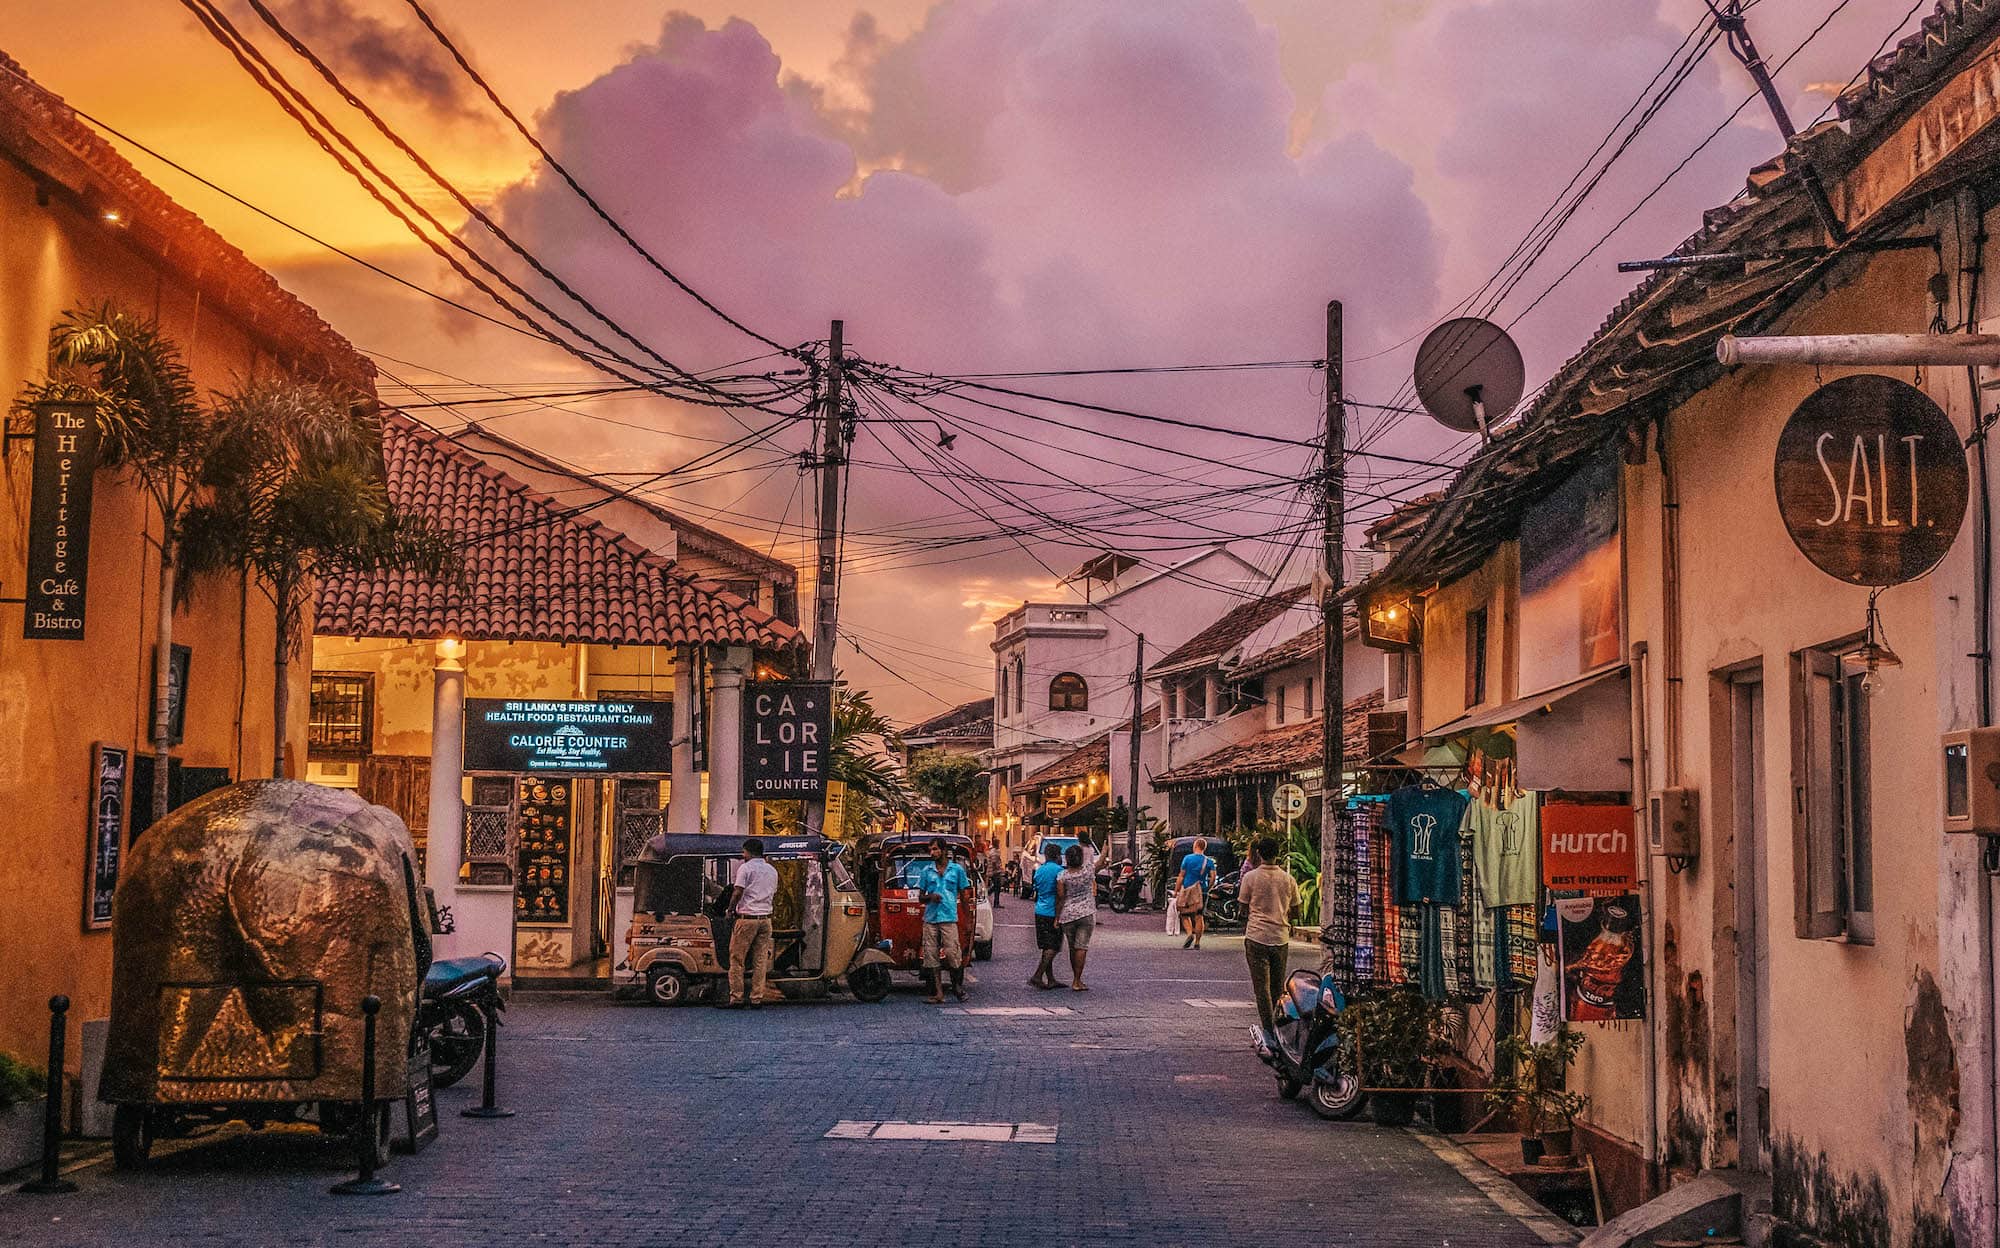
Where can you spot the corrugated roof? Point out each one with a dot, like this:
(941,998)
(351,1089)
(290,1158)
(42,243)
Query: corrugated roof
(1092,755)
(971,720)
(1225,634)
(1276,751)
(75,161)
(534,571)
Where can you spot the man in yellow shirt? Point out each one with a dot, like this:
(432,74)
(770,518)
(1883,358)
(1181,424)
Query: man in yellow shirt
(1270,892)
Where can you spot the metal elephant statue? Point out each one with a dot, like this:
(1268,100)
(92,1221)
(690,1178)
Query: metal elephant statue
(247,928)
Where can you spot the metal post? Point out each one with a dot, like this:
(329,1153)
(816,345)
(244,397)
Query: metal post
(51,1183)
(1333,675)
(827,577)
(365,1183)
(1132,782)
(486,1108)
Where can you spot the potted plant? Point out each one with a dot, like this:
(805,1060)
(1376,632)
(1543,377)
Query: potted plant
(1397,1038)
(1531,1082)
(21,1096)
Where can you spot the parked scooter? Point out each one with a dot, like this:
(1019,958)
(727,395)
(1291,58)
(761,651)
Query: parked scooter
(1225,909)
(451,1014)
(1118,887)
(1307,1053)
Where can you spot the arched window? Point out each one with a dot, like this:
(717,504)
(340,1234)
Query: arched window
(1067,692)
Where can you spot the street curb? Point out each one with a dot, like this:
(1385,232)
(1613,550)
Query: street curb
(1545,1225)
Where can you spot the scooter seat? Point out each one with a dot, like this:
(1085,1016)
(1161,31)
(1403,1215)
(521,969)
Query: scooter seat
(450,973)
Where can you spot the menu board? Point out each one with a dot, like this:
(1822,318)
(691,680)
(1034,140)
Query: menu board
(108,776)
(542,836)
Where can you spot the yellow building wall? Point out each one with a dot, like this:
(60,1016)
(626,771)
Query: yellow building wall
(58,697)
(1841,1113)
(1495,585)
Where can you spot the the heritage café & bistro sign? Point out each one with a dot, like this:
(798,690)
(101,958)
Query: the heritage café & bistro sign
(787,733)
(619,738)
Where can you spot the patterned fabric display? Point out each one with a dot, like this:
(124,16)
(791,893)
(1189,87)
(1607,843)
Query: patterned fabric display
(1366,927)
(1409,945)
(1464,931)
(1520,924)
(1337,937)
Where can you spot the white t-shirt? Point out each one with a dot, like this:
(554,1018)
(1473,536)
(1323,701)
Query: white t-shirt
(758,881)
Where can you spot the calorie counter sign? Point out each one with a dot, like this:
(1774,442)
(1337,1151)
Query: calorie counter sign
(787,731)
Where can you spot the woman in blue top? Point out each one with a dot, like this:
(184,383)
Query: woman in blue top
(1197,873)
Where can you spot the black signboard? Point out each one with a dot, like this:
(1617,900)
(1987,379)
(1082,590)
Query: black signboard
(502,734)
(59,520)
(1871,480)
(542,835)
(110,773)
(177,682)
(787,731)
(420,1119)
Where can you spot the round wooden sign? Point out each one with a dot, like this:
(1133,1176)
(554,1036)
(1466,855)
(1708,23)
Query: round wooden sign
(1871,480)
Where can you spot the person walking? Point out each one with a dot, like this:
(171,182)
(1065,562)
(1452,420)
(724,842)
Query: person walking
(1076,910)
(755,889)
(939,885)
(1197,874)
(991,864)
(1048,929)
(1270,892)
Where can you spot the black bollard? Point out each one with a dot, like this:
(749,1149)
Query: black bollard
(365,1183)
(52,1183)
(486,1108)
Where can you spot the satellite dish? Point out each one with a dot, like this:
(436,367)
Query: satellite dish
(1469,374)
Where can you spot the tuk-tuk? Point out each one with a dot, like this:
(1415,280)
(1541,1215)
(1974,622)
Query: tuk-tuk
(899,908)
(678,944)
(247,927)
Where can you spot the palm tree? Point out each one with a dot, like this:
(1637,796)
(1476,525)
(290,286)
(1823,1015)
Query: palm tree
(152,425)
(296,490)
(859,758)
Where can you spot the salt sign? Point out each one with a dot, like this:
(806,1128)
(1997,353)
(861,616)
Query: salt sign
(787,730)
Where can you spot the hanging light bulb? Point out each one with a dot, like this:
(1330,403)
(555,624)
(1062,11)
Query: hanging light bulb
(1875,654)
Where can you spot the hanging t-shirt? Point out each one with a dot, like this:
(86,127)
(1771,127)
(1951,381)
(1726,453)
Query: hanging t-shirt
(1506,850)
(1424,824)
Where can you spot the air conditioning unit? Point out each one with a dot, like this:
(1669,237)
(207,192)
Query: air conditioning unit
(1673,825)
(1972,781)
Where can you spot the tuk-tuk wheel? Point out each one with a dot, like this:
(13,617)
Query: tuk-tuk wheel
(1289,1089)
(982,950)
(869,983)
(667,985)
(131,1136)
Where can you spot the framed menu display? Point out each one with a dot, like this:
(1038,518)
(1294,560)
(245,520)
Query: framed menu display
(109,784)
(542,839)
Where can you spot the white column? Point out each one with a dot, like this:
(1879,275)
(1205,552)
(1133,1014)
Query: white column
(684,800)
(447,804)
(726,811)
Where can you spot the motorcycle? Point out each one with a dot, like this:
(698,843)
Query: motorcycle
(451,1013)
(1225,909)
(1118,887)
(1307,1052)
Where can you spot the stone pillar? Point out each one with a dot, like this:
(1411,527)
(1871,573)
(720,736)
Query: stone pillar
(684,799)
(727,813)
(447,804)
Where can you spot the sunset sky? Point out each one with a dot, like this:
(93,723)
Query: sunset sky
(974,185)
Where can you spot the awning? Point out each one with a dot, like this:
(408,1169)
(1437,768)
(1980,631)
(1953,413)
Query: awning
(1519,708)
(1074,815)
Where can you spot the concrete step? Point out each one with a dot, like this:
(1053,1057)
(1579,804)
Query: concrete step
(1699,1211)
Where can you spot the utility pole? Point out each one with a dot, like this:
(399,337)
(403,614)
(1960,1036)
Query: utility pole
(1333,675)
(832,457)
(1132,784)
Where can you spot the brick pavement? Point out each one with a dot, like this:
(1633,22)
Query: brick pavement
(691,1127)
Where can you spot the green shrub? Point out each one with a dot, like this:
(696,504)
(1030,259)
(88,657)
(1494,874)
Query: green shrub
(1398,1034)
(19,1081)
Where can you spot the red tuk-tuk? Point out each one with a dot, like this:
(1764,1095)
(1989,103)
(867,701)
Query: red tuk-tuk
(898,906)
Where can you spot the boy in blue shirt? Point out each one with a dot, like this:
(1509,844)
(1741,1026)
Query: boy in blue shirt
(939,884)
(1048,933)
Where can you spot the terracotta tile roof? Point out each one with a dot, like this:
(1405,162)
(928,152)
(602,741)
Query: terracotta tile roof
(1092,755)
(534,571)
(971,721)
(1894,79)
(1306,645)
(76,163)
(1277,750)
(1237,623)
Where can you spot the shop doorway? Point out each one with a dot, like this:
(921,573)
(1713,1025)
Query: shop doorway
(1741,703)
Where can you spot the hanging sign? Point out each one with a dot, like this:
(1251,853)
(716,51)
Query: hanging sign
(787,731)
(1289,800)
(1871,480)
(1603,958)
(836,809)
(633,738)
(58,564)
(110,781)
(1588,848)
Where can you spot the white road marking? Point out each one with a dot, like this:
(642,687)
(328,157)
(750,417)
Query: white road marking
(1201,1078)
(948,1132)
(1218,1003)
(1013,1011)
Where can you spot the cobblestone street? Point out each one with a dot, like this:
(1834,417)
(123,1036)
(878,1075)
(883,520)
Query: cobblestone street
(640,1126)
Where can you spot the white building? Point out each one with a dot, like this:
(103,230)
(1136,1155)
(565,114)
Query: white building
(1062,671)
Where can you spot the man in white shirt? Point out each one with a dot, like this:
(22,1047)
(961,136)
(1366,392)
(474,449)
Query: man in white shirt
(750,942)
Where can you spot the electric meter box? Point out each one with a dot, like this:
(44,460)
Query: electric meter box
(1972,781)
(1673,825)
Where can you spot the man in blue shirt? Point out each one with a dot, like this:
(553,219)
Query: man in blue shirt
(1048,932)
(939,884)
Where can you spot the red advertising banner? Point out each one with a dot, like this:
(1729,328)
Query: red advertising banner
(1588,848)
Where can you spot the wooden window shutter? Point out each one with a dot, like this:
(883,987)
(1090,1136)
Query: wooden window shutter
(1816,797)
